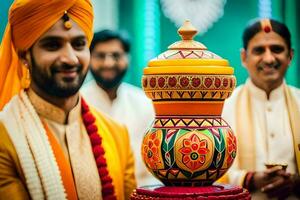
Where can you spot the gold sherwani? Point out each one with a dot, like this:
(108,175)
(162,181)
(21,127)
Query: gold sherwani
(72,137)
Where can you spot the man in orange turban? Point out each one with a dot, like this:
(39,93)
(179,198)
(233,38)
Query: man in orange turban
(53,145)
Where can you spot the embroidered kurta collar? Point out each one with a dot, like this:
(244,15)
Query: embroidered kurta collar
(261,94)
(52,112)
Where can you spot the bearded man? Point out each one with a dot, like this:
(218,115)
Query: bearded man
(125,103)
(54,145)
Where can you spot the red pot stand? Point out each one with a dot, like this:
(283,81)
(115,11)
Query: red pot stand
(216,191)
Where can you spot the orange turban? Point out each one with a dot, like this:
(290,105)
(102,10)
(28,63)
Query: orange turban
(27,21)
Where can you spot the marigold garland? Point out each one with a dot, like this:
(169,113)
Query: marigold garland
(108,190)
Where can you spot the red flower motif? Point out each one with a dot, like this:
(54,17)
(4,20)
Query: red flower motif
(232,83)
(184,81)
(153,82)
(208,82)
(150,151)
(194,152)
(196,82)
(172,81)
(225,82)
(217,82)
(161,82)
(145,82)
(231,147)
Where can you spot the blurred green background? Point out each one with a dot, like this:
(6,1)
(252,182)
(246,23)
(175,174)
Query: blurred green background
(152,32)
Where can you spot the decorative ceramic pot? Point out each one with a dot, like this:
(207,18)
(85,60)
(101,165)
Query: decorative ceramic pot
(189,143)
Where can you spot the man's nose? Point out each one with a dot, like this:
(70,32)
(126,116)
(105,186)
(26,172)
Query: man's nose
(69,56)
(108,60)
(269,57)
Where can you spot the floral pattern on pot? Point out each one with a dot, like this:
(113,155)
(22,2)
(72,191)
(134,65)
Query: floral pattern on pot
(194,151)
(231,147)
(193,155)
(151,151)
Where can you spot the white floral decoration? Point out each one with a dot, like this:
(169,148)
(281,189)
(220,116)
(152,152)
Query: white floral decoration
(201,13)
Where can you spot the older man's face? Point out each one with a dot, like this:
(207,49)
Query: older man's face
(266,58)
(59,60)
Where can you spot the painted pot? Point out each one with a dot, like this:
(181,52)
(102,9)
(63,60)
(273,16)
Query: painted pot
(189,143)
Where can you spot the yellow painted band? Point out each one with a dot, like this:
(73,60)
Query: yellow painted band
(188,62)
(220,70)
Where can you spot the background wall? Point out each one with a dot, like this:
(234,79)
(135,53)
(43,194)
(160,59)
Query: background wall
(4,6)
(223,38)
(151,32)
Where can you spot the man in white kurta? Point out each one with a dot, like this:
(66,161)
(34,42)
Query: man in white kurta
(264,113)
(125,103)
(273,137)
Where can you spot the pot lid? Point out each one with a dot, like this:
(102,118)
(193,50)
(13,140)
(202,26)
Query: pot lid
(188,56)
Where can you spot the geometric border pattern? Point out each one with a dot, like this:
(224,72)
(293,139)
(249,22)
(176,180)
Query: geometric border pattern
(187,54)
(190,95)
(191,122)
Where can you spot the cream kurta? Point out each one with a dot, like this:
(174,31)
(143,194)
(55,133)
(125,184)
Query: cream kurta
(73,138)
(273,136)
(131,108)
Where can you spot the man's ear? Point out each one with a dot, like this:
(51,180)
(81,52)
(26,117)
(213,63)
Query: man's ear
(24,57)
(291,54)
(243,55)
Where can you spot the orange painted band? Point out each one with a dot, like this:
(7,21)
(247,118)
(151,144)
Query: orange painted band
(188,108)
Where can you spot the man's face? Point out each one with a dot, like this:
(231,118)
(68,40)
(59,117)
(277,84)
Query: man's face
(266,59)
(59,60)
(108,63)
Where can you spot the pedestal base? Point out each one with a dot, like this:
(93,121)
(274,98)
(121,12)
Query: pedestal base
(217,191)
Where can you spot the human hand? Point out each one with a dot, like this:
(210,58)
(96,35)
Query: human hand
(275,182)
(281,187)
(263,178)
(296,185)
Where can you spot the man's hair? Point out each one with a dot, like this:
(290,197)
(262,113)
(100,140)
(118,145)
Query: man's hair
(253,28)
(108,35)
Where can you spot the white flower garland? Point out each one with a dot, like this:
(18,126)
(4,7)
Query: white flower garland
(35,153)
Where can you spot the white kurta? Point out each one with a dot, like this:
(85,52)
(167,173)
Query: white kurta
(273,136)
(131,108)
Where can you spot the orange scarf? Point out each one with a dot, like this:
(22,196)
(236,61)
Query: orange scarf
(63,165)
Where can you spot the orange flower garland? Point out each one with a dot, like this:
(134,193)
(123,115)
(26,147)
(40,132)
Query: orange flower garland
(108,190)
